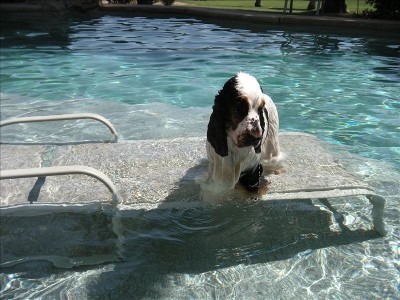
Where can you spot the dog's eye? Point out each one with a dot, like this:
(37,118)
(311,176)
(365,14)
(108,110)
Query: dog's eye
(239,107)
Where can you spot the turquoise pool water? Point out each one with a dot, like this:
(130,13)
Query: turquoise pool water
(156,77)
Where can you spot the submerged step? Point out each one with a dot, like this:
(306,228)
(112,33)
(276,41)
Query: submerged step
(149,173)
(144,172)
(74,220)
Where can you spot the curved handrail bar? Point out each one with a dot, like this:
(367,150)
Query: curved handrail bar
(60,170)
(62,118)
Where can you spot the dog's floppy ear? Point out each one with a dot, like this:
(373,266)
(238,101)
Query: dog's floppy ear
(216,131)
(219,119)
(263,115)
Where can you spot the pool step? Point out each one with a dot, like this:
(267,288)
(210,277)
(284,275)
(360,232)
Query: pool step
(151,174)
(144,172)
(72,220)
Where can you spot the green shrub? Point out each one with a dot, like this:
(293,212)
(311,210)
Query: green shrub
(387,9)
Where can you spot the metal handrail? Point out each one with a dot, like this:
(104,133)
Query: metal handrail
(60,170)
(62,118)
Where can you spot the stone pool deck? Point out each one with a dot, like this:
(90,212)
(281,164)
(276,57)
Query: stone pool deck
(226,14)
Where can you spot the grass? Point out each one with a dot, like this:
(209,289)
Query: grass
(273,6)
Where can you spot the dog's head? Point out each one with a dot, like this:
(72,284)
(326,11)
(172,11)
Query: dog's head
(239,114)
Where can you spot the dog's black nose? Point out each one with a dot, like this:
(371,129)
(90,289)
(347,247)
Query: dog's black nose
(256,130)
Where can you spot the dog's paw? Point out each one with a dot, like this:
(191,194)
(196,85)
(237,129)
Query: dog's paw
(258,189)
(274,171)
(280,170)
(263,186)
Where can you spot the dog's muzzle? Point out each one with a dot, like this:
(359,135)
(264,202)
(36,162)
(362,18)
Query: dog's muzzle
(247,139)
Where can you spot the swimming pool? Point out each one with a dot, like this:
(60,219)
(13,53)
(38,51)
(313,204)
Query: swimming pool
(156,78)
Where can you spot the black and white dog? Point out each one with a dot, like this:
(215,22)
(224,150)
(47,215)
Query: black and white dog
(242,135)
